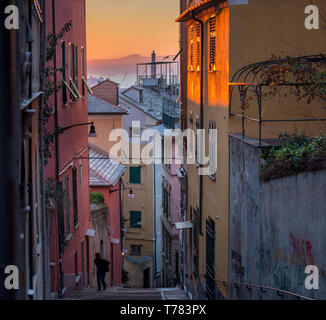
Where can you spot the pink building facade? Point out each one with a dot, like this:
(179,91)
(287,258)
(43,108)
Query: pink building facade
(105,178)
(70,256)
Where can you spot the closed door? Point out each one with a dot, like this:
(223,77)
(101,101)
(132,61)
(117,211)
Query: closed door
(147,278)
(83,262)
(87,260)
(210,259)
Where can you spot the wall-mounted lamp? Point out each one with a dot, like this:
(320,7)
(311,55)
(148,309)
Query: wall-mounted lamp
(131,194)
(92,132)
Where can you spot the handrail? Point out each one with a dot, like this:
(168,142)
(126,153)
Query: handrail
(248,285)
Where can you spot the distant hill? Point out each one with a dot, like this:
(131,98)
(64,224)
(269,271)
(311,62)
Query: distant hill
(118,66)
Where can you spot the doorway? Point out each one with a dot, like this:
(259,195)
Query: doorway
(210,259)
(147,278)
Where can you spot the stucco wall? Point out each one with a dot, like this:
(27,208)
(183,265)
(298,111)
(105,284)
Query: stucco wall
(276,227)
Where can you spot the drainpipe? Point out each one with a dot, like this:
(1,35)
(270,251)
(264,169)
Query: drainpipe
(155,231)
(201,103)
(60,282)
(45,237)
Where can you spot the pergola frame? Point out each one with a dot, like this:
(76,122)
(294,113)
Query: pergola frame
(248,73)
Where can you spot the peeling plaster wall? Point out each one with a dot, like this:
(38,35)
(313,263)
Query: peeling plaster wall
(276,227)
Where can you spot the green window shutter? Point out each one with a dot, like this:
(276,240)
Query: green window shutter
(135,175)
(135,218)
(64,89)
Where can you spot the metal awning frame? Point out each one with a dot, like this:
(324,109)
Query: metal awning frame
(241,80)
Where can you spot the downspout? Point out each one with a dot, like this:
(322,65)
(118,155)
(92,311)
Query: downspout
(60,283)
(45,237)
(155,235)
(201,177)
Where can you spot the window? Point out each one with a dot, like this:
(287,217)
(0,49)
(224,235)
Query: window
(82,52)
(135,175)
(212,44)
(196,243)
(198,46)
(73,72)
(212,149)
(65,85)
(135,219)
(191,144)
(64,80)
(76,263)
(84,81)
(80,174)
(191,48)
(75,197)
(61,224)
(196,147)
(76,66)
(166,199)
(67,205)
(135,250)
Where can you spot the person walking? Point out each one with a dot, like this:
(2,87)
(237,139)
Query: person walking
(102,266)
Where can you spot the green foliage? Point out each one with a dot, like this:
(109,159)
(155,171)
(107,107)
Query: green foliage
(311,77)
(293,150)
(96,198)
(50,87)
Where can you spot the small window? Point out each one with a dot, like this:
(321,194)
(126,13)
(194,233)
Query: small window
(85,84)
(67,205)
(135,219)
(75,196)
(198,53)
(191,36)
(135,175)
(73,72)
(212,150)
(64,79)
(76,78)
(212,44)
(76,263)
(80,174)
(82,52)
(196,147)
(135,250)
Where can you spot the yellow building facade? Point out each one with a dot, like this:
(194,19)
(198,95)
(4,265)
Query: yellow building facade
(223,37)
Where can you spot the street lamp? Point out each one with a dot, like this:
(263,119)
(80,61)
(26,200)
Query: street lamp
(92,132)
(131,194)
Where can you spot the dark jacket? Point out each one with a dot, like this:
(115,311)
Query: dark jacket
(100,265)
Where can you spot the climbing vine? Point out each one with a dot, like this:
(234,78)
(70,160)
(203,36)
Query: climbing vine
(307,74)
(50,86)
(55,195)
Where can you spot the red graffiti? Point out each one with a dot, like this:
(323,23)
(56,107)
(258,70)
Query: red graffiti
(302,248)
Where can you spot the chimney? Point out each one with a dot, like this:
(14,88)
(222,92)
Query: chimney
(153,75)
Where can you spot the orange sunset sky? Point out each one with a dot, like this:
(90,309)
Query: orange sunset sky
(117,28)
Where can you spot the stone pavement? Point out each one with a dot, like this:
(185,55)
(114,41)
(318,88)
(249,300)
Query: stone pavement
(129,294)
